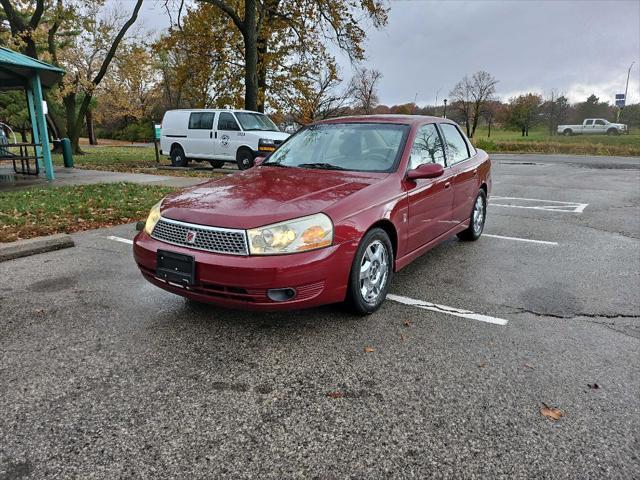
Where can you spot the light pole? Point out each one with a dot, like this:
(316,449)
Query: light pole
(626,89)
(436,104)
(445,108)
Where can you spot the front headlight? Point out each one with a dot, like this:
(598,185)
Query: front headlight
(297,235)
(152,219)
(266,145)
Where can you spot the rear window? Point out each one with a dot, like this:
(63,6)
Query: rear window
(201,121)
(457,149)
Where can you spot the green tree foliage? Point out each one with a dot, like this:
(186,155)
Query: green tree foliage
(523,112)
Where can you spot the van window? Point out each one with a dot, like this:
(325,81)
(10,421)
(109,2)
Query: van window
(457,149)
(201,121)
(227,122)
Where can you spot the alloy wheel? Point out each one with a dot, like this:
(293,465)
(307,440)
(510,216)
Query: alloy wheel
(374,271)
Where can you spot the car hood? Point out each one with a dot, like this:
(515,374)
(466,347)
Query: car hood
(264,195)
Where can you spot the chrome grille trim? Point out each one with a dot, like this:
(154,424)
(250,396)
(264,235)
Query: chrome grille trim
(229,241)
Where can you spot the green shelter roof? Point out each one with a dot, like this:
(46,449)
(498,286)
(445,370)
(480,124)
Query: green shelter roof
(16,69)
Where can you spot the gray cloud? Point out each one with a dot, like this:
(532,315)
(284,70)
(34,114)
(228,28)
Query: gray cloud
(575,47)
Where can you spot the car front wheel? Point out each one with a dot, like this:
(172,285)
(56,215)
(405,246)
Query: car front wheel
(245,159)
(371,272)
(477,219)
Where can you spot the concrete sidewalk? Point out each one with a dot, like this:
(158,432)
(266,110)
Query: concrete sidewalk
(74,176)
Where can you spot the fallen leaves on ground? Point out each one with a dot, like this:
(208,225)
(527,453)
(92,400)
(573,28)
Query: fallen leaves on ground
(368,349)
(336,394)
(528,365)
(551,413)
(482,365)
(593,386)
(407,323)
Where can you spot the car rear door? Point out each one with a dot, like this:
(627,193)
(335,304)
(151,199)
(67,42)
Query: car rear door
(599,126)
(199,142)
(430,200)
(464,172)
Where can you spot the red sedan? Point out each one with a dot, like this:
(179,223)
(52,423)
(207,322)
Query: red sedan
(328,217)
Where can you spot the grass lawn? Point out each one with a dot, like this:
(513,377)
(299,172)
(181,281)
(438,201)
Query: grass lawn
(539,141)
(127,159)
(44,211)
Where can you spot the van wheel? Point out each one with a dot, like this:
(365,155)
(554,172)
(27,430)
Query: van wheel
(217,163)
(371,272)
(178,159)
(477,218)
(244,158)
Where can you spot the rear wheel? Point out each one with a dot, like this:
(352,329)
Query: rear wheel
(371,272)
(567,132)
(217,163)
(244,158)
(477,219)
(178,159)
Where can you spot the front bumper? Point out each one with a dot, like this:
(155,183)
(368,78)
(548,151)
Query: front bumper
(318,277)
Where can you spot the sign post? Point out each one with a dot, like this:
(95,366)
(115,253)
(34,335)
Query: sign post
(156,138)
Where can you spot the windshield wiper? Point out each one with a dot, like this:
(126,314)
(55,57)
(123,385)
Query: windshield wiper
(275,164)
(323,166)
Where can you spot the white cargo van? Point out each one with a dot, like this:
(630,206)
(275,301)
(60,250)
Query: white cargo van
(218,136)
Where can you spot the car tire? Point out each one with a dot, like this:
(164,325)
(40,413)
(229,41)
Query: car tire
(612,132)
(567,132)
(476,219)
(178,158)
(366,293)
(244,158)
(217,163)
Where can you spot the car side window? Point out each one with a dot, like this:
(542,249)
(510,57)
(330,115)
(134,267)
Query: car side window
(201,121)
(589,122)
(427,147)
(226,121)
(457,149)
(599,122)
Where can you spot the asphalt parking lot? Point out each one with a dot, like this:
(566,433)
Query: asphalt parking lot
(104,376)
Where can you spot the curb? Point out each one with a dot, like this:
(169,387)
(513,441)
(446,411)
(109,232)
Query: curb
(32,246)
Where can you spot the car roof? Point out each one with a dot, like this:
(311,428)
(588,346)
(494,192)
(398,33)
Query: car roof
(388,118)
(233,110)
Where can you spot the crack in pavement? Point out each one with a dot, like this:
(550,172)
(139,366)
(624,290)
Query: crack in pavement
(519,310)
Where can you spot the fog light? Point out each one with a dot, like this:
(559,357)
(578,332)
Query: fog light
(281,294)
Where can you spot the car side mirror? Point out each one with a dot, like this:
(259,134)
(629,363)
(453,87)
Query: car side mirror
(426,170)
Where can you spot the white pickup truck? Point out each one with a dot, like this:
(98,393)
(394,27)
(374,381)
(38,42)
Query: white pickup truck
(594,125)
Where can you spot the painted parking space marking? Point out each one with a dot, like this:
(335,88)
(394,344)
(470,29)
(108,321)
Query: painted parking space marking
(120,239)
(538,204)
(519,239)
(434,307)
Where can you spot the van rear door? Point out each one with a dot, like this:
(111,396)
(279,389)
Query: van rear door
(200,142)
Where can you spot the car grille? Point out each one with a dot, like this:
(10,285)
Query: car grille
(200,237)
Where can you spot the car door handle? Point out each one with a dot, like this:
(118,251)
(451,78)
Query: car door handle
(210,134)
(447,185)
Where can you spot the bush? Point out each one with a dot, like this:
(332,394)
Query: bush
(485,144)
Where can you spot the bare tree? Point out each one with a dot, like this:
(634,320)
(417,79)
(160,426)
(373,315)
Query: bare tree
(469,97)
(364,87)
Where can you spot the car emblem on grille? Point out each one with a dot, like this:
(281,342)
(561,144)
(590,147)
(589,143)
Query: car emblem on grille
(191,237)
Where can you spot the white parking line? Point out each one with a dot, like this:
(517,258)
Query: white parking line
(120,239)
(448,310)
(530,203)
(518,239)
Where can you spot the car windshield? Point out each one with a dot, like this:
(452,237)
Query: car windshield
(256,121)
(365,147)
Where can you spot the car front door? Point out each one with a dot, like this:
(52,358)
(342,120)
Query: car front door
(599,126)
(430,200)
(228,132)
(199,142)
(464,172)
(588,126)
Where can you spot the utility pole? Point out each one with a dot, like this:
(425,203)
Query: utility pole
(435,108)
(626,89)
(445,108)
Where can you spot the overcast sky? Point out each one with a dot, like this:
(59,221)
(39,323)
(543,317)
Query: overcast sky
(576,47)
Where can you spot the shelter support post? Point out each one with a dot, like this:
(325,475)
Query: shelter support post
(41,121)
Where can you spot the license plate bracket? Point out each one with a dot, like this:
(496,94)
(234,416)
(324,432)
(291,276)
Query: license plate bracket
(176,267)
